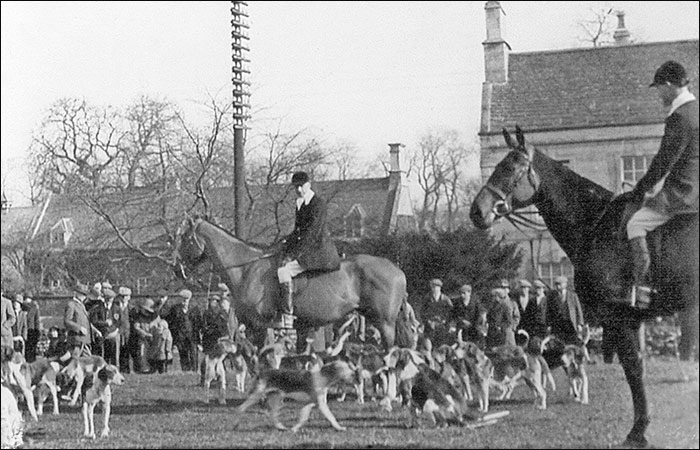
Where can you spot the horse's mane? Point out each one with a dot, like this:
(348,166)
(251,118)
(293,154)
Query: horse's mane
(589,196)
(230,234)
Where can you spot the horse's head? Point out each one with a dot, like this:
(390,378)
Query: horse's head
(512,185)
(190,249)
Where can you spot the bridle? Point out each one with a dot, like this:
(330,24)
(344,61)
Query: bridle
(503,206)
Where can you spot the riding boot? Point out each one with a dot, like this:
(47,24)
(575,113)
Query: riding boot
(288,307)
(286,317)
(640,296)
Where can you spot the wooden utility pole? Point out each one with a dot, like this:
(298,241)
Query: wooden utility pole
(241,98)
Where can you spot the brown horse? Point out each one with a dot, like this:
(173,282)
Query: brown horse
(373,286)
(586,221)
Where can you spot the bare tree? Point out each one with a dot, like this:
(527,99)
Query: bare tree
(597,29)
(439,165)
(76,143)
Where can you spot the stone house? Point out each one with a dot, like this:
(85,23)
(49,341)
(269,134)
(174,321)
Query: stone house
(590,108)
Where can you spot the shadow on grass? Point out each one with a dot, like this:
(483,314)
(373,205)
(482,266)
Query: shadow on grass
(161,406)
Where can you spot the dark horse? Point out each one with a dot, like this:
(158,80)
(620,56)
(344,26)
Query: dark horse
(586,221)
(373,286)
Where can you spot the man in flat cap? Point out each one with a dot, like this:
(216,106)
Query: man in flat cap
(308,247)
(435,311)
(105,316)
(466,314)
(184,321)
(77,322)
(564,314)
(499,319)
(675,166)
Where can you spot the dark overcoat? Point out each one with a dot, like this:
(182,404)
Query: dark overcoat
(310,242)
(677,157)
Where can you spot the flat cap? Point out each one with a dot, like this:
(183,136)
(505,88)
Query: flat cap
(561,279)
(436,282)
(465,288)
(185,293)
(124,291)
(300,178)
(524,283)
(499,293)
(82,289)
(106,285)
(670,72)
(223,287)
(108,293)
(539,284)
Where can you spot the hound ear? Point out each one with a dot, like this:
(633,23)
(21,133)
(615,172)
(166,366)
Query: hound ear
(509,140)
(520,136)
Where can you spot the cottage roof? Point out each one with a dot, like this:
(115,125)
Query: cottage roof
(588,87)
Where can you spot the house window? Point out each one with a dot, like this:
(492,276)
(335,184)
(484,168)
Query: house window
(548,271)
(141,285)
(353,222)
(633,168)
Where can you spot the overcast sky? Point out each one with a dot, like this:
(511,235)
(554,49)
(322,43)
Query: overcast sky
(363,73)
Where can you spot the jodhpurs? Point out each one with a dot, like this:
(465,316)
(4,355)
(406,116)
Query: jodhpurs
(644,221)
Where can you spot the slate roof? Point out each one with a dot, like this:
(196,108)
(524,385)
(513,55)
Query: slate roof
(586,87)
(16,222)
(138,218)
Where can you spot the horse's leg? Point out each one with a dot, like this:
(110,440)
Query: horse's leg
(388,332)
(628,351)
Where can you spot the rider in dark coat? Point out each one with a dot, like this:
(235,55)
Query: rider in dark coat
(309,246)
(677,161)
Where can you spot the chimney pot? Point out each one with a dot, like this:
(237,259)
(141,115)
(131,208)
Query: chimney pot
(621,34)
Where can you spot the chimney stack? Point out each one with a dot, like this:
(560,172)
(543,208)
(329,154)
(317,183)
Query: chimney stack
(621,34)
(495,53)
(394,162)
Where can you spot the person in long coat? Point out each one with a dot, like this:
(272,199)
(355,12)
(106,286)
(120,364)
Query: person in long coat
(499,318)
(308,247)
(465,314)
(77,322)
(184,322)
(33,326)
(534,318)
(125,308)
(564,315)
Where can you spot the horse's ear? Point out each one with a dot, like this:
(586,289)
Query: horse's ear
(509,140)
(520,136)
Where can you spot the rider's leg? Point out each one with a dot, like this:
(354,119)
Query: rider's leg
(641,223)
(285,274)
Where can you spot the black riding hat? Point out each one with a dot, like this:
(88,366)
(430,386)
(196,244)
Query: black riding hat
(300,178)
(670,72)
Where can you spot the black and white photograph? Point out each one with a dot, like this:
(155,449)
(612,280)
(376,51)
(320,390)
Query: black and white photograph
(366,224)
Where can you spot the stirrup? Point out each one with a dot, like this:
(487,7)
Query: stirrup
(284,321)
(640,297)
(288,320)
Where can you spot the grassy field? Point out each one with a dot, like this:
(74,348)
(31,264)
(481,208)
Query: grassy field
(167,411)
